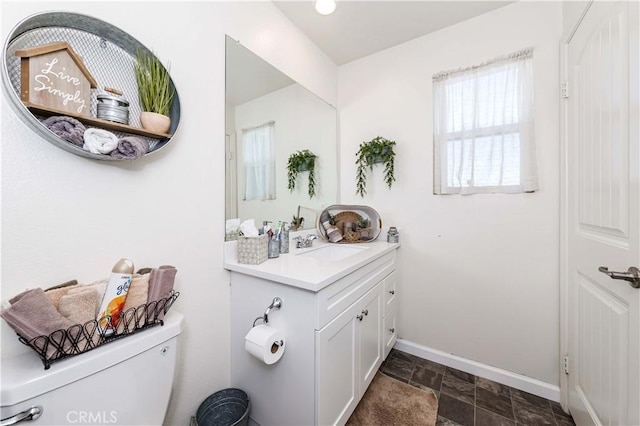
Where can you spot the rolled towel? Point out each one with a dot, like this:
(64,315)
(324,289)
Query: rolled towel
(160,285)
(138,292)
(99,141)
(134,311)
(32,315)
(130,148)
(99,287)
(68,128)
(79,306)
(56,292)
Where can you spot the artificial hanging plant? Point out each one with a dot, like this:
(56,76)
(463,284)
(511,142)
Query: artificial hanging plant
(377,150)
(302,161)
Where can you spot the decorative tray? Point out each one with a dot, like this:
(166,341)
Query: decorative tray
(356,223)
(81,338)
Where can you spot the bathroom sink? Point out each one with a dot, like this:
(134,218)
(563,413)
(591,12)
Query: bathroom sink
(332,253)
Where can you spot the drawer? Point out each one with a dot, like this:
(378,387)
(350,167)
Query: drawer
(390,293)
(390,331)
(337,297)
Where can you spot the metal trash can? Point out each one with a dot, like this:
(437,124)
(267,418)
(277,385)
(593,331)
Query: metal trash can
(228,407)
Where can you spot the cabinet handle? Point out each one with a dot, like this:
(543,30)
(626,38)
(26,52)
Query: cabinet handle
(392,292)
(392,330)
(365,312)
(359,317)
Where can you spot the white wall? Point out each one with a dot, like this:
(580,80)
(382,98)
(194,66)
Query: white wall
(302,122)
(479,274)
(65,216)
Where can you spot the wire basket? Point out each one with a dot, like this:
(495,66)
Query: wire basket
(81,338)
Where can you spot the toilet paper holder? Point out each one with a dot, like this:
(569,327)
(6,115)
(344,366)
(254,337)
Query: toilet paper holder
(275,304)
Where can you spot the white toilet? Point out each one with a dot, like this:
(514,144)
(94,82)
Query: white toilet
(126,382)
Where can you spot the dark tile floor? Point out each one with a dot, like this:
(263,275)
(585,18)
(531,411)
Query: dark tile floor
(468,400)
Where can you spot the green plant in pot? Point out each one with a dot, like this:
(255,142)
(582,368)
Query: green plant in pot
(154,90)
(302,161)
(377,150)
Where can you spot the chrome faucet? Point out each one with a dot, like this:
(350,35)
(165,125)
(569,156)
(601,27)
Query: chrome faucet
(305,242)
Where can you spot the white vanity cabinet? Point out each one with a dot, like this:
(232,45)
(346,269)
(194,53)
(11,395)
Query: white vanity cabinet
(336,338)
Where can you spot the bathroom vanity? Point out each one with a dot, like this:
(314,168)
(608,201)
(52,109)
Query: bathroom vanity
(338,315)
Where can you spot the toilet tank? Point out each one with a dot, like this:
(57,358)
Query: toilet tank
(126,382)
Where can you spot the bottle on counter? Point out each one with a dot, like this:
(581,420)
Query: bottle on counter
(115,296)
(284,238)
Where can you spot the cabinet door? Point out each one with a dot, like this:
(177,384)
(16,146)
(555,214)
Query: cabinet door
(390,293)
(390,331)
(370,324)
(337,367)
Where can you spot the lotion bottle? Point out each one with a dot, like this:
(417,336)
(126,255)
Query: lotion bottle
(115,296)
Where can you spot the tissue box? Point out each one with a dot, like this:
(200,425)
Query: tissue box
(252,250)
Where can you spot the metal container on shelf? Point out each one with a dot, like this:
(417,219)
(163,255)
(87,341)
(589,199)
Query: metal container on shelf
(113,108)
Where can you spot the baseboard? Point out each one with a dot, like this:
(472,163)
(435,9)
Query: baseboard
(524,383)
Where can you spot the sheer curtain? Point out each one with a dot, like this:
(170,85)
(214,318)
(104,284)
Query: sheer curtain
(260,162)
(483,127)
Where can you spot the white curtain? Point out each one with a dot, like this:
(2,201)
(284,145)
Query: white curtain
(260,162)
(483,127)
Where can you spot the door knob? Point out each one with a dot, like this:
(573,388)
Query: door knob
(632,275)
(365,312)
(392,292)
(359,317)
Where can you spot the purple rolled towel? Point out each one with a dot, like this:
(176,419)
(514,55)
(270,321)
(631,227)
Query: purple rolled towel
(130,148)
(32,315)
(160,285)
(68,128)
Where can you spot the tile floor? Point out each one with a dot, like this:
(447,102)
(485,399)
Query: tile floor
(467,400)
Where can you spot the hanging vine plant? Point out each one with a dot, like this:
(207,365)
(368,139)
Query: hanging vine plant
(377,150)
(302,161)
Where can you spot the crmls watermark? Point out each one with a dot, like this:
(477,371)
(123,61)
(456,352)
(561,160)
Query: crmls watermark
(92,417)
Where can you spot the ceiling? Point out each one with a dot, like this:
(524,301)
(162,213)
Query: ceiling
(248,76)
(360,28)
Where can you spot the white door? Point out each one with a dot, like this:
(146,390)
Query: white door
(603,219)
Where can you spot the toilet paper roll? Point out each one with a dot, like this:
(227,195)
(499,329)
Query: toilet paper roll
(265,343)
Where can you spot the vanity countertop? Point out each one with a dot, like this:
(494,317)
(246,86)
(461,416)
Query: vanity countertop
(304,269)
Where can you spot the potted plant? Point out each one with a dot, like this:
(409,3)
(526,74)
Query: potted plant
(377,150)
(302,161)
(297,222)
(154,90)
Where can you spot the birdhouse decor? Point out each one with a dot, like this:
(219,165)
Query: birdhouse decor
(54,77)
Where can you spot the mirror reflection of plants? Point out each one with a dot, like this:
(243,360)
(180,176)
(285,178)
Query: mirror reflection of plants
(297,222)
(377,150)
(302,161)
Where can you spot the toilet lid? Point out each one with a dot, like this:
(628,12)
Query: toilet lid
(24,377)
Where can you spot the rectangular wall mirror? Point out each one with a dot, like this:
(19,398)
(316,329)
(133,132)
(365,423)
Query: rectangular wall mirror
(269,117)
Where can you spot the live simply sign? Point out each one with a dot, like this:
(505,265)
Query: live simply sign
(53,76)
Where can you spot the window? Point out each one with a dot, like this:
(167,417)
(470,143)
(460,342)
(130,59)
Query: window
(483,127)
(260,162)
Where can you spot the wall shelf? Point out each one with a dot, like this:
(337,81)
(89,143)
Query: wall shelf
(107,52)
(97,122)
